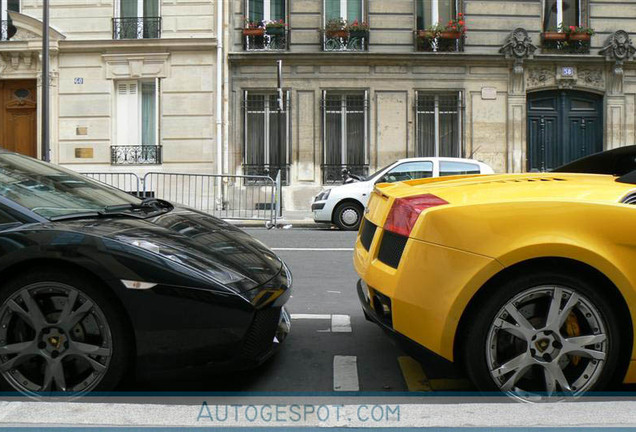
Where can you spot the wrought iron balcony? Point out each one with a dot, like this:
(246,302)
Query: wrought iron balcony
(266,171)
(335,174)
(439,42)
(345,40)
(563,43)
(272,39)
(7,30)
(136,155)
(137,28)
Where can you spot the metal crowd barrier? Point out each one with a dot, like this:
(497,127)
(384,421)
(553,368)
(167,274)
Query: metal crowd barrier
(236,197)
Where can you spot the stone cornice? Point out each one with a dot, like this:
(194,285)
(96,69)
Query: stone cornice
(141,45)
(328,58)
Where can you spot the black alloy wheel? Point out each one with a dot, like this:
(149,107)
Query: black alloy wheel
(60,333)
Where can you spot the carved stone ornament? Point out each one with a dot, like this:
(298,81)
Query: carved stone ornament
(518,47)
(541,77)
(3,63)
(589,77)
(618,48)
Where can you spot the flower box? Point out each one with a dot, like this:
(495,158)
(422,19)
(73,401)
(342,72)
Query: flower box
(582,37)
(554,36)
(275,31)
(358,34)
(254,32)
(337,34)
(426,34)
(450,35)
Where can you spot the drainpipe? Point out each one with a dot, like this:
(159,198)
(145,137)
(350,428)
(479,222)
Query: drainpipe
(219,94)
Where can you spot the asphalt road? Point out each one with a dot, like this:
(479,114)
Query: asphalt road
(331,346)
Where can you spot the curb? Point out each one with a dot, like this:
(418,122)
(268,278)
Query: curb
(295,223)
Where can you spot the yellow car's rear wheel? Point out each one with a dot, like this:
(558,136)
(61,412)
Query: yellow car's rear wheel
(543,336)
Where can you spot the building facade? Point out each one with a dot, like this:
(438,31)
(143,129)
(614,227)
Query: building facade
(134,83)
(525,88)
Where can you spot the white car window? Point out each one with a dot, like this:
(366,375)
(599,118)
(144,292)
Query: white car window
(458,168)
(409,171)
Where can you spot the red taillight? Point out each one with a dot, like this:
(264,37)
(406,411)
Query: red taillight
(405,212)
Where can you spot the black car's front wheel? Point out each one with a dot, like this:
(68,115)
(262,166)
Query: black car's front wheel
(542,336)
(60,333)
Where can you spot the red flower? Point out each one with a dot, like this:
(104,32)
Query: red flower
(461,23)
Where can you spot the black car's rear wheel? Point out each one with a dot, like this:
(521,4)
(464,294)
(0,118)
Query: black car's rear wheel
(60,333)
(543,336)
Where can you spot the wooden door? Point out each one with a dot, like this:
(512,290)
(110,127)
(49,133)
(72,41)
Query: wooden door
(18,116)
(563,126)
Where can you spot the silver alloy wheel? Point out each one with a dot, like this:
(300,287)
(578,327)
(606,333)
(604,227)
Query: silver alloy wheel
(53,337)
(548,341)
(349,216)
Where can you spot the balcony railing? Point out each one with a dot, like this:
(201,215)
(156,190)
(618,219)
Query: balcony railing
(268,171)
(345,40)
(335,174)
(7,30)
(439,42)
(137,28)
(136,155)
(272,39)
(562,43)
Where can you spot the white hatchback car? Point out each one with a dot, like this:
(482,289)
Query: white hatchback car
(343,205)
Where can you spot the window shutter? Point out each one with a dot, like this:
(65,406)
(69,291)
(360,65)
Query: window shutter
(128,131)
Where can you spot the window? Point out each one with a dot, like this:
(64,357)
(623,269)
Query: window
(136,19)
(431,12)
(562,14)
(266,135)
(345,125)
(458,168)
(7,6)
(349,10)
(266,10)
(438,125)
(137,123)
(409,171)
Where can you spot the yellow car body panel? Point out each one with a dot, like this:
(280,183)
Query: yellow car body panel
(491,223)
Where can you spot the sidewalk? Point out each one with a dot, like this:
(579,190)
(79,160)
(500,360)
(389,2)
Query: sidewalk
(297,219)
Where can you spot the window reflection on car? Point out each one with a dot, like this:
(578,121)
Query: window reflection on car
(52,191)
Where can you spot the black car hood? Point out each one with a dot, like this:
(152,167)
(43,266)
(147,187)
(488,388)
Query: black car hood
(205,241)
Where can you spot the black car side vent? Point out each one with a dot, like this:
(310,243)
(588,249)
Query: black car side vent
(391,248)
(366,233)
(630,199)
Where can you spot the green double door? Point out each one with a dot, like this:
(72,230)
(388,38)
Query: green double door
(563,125)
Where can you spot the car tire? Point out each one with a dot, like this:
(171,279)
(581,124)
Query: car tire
(510,345)
(348,216)
(82,347)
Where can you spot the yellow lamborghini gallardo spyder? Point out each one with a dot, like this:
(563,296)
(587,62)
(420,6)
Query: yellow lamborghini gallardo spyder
(526,281)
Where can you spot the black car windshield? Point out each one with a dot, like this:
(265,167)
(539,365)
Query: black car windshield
(52,191)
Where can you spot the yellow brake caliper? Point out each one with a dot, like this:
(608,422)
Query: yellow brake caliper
(573,329)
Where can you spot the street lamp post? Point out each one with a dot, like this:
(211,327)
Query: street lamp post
(46,146)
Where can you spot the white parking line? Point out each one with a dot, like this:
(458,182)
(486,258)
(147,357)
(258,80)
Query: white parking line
(314,249)
(341,323)
(345,373)
(310,317)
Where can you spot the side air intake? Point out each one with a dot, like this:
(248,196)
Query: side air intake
(630,199)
